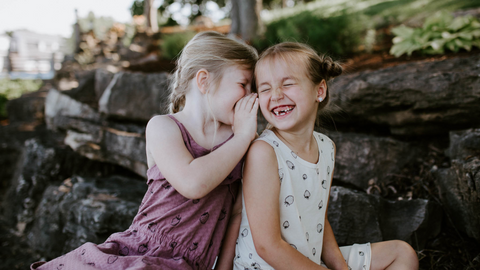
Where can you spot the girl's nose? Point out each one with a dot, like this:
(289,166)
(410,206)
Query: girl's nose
(277,94)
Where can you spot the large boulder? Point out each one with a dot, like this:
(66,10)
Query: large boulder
(357,217)
(361,158)
(354,219)
(59,108)
(464,144)
(417,98)
(459,185)
(43,162)
(111,145)
(89,134)
(83,210)
(132,96)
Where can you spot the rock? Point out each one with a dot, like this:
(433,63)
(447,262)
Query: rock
(356,217)
(418,98)
(85,92)
(123,148)
(59,106)
(84,210)
(360,158)
(459,185)
(134,96)
(415,221)
(12,140)
(27,108)
(9,158)
(464,144)
(103,78)
(43,162)
(95,138)
(353,217)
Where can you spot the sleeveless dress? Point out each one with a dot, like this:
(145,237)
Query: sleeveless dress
(169,230)
(303,199)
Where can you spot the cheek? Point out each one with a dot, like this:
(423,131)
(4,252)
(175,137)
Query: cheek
(263,103)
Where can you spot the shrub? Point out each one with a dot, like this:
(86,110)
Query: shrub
(173,44)
(10,89)
(439,33)
(336,35)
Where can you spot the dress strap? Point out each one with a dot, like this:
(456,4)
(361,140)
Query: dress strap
(187,137)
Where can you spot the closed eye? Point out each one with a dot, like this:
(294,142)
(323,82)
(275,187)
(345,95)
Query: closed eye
(264,90)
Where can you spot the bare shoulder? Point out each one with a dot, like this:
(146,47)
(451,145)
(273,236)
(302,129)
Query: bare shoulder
(159,122)
(261,164)
(161,126)
(162,132)
(261,151)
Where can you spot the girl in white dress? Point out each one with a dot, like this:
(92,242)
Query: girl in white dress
(288,174)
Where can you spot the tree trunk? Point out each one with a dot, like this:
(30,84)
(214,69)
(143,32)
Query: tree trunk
(246,21)
(150,14)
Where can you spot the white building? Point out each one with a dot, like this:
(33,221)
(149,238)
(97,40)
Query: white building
(35,55)
(4,45)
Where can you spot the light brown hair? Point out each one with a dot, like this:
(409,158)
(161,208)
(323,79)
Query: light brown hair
(316,67)
(213,52)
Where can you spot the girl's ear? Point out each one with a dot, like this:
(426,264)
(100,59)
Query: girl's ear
(321,90)
(201,78)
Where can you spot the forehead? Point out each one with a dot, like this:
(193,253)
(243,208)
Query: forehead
(280,65)
(238,71)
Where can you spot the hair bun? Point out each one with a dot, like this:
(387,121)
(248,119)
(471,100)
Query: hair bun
(331,68)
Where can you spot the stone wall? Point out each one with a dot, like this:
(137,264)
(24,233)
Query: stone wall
(83,179)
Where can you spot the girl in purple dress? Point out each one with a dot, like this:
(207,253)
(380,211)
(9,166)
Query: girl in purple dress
(195,156)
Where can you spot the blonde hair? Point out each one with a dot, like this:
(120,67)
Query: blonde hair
(213,52)
(317,67)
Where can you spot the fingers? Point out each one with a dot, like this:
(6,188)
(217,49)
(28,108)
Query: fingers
(247,102)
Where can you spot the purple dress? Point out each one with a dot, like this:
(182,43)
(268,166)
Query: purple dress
(169,230)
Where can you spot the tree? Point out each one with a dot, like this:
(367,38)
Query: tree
(246,22)
(150,14)
(145,8)
(245,14)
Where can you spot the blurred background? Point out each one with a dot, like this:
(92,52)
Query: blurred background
(416,58)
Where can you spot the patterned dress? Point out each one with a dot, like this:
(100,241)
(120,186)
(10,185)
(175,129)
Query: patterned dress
(169,230)
(303,199)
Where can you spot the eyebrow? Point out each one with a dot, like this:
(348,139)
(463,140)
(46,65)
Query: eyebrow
(264,83)
(283,79)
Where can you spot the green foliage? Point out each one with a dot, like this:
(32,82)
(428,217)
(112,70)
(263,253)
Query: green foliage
(173,44)
(10,89)
(137,7)
(335,35)
(439,33)
(169,22)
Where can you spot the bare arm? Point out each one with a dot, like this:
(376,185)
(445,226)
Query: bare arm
(261,191)
(331,254)
(227,253)
(196,177)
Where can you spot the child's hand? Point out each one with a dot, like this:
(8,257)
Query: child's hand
(245,118)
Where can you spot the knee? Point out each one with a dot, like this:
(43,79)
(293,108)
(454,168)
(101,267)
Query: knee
(405,251)
(404,247)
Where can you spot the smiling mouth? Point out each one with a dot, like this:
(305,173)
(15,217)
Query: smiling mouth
(282,110)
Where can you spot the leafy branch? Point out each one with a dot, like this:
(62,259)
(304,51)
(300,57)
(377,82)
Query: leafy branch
(439,33)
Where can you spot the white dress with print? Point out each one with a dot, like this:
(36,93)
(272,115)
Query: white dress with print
(304,193)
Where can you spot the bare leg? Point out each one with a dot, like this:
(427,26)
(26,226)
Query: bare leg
(393,255)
